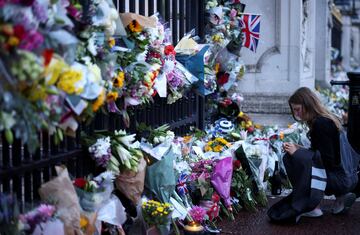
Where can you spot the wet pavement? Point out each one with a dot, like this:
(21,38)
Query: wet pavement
(258,223)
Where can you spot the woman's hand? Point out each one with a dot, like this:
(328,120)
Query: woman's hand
(290,148)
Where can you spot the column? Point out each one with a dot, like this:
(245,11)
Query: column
(346,42)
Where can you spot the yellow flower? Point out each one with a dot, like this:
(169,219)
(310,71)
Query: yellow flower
(217,67)
(99,101)
(160,209)
(208,148)
(83,222)
(37,92)
(187,139)
(13,41)
(218,148)
(217,38)
(221,140)
(118,81)
(258,126)
(53,71)
(67,82)
(241,114)
(135,27)
(111,41)
(165,212)
(112,96)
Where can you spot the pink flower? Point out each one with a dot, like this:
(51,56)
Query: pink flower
(197,213)
(233,13)
(46,210)
(32,41)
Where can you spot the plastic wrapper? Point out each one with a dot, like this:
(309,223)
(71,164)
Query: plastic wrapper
(53,227)
(251,167)
(160,177)
(61,191)
(112,212)
(131,184)
(221,178)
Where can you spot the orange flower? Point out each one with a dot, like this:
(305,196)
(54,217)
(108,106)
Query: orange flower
(99,101)
(281,135)
(112,96)
(135,27)
(187,138)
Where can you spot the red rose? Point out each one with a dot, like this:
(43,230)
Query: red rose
(169,50)
(19,32)
(80,183)
(215,197)
(236,164)
(47,54)
(250,129)
(222,78)
(226,102)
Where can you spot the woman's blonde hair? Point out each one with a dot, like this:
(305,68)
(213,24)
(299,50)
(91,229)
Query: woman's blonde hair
(312,107)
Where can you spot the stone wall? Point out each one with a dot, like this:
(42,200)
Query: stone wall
(285,59)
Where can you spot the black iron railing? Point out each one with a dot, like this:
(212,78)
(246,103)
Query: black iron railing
(22,173)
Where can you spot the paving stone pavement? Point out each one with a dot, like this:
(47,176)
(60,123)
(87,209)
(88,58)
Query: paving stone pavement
(258,223)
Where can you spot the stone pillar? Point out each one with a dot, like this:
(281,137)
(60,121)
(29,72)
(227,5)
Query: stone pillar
(285,57)
(346,42)
(356,43)
(323,43)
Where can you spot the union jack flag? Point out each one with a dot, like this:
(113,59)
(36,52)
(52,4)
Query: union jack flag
(250,29)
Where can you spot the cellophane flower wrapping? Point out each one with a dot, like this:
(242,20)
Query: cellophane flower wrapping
(221,178)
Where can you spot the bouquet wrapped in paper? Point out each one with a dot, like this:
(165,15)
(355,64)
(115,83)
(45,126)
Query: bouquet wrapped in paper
(61,191)
(131,183)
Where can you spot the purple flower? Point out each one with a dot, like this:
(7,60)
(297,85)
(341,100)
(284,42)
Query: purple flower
(32,41)
(197,213)
(40,11)
(46,210)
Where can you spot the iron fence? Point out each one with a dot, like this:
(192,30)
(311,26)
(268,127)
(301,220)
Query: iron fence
(22,173)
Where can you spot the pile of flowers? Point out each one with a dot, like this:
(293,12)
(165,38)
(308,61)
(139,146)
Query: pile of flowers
(225,37)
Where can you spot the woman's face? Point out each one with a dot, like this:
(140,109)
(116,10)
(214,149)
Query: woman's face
(298,111)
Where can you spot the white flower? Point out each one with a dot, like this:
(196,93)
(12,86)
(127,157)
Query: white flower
(182,166)
(107,176)
(127,140)
(101,147)
(162,139)
(91,46)
(156,140)
(169,66)
(142,56)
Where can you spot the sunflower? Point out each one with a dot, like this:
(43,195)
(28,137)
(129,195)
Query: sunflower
(118,81)
(112,96)
(135,27)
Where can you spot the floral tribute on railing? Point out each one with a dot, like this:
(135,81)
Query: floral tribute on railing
(63,61)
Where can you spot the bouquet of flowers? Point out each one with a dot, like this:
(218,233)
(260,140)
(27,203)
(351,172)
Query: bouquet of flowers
(241,187)
(219,144)
(37,217)
(93,192)
(157,214)
(116,151)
